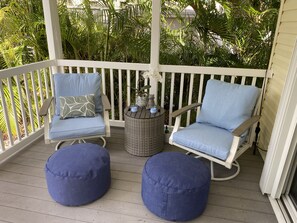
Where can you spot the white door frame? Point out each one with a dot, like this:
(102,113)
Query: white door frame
(279,150)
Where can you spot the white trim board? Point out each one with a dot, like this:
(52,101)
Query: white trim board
(282,134)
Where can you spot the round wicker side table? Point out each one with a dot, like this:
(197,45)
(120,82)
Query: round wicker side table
(144,132)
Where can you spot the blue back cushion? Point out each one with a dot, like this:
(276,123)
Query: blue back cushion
(227,105)
(77,85)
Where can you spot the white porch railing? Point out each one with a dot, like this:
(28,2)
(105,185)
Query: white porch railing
(23,90)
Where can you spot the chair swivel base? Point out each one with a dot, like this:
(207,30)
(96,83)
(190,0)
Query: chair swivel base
(235,164)
(212,170)
(57,147)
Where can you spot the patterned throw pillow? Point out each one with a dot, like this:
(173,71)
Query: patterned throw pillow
(77,106)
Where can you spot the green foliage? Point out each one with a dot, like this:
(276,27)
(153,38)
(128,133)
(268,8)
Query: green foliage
(220,33)
(142,88)
(107,34)
(223,33)
(22,37)
(7,95)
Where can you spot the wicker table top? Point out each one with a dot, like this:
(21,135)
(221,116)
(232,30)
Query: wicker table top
(143,113)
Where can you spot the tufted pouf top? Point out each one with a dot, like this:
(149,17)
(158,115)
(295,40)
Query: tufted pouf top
(175,186)
(78,174)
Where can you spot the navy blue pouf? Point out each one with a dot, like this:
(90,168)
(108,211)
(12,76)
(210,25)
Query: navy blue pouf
(78,174)
(175,186)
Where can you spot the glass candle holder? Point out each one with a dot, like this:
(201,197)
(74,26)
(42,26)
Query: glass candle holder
(133,108)
(153,110)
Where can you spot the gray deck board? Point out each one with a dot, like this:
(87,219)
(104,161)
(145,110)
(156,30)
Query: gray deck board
(24,196)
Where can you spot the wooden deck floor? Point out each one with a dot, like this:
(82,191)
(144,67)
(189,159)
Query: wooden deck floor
(24,197)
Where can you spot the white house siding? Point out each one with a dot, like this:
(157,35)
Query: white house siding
(279,64)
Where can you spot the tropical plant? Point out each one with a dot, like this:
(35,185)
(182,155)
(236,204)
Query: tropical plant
(224,33)
(103,31)
(22,41)
(22,38)
(142,89)
(14,110)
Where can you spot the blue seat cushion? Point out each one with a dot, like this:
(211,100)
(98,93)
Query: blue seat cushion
(78,85)
(206,138)
(175,186)
(79,127)
(227,105)
(78,174)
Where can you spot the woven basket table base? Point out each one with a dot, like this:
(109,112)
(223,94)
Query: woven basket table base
(144,136)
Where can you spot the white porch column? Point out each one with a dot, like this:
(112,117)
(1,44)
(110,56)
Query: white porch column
(155,43)
(53,32)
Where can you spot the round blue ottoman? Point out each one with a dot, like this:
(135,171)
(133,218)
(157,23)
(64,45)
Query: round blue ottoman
(175,186)
(78,174)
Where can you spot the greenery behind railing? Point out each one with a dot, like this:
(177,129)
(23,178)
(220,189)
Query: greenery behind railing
(219,33)
(21,97)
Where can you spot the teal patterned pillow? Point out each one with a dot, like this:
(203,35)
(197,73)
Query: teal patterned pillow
(77,106)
